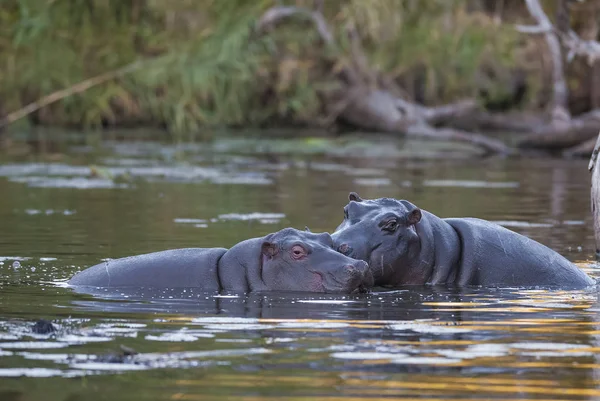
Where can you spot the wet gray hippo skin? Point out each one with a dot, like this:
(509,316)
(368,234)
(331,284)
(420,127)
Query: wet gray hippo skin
(406,245)
(288,260)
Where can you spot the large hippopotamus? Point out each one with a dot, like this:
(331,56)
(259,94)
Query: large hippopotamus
(406,245)
(288,260)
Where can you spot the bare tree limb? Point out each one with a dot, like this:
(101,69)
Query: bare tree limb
(490,145)
(583,149)
(589,49)
(440,114)
(560,92)
(366,106)
(275,14)
(533,29)
(561,136)
(380,111)
(480,120)
(63,93)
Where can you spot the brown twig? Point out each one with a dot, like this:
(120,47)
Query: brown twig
(63,93)
(275,14)
(490,145)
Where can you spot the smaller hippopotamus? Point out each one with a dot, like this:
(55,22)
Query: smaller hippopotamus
(288,260)
(406,245)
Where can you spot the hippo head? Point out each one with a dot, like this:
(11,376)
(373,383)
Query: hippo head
(383,233)
(294,260)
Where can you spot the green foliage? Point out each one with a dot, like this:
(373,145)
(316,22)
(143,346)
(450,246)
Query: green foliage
(438,41)
(204,64)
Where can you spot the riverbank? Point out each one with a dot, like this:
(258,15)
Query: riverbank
(449,71)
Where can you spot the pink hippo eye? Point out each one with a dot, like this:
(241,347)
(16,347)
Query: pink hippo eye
(298,252)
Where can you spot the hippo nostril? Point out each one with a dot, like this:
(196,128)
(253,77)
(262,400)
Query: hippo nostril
(361,266)
(344,249)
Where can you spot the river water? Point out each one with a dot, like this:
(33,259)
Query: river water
(59,214)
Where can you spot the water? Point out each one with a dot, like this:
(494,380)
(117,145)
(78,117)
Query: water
(59,215)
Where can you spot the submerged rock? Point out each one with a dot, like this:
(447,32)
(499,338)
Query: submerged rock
(43,327)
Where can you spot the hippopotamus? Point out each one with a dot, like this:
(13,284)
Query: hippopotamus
(288,260)
(405,245)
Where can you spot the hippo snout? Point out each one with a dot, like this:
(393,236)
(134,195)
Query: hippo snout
(359,266)
(359,275)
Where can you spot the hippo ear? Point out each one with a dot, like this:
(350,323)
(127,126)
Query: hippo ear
(269,249)
(307,229)
(413,217)
(353,196)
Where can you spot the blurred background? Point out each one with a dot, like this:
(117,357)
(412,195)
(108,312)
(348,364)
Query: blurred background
(132,116)
(192,68)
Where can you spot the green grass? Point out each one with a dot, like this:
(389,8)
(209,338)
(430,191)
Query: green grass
(205,66)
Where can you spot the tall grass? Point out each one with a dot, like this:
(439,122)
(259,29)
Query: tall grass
(204,64)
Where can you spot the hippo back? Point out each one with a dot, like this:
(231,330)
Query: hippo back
(492,255)
(186,267)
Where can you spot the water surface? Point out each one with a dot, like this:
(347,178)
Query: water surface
(60,214)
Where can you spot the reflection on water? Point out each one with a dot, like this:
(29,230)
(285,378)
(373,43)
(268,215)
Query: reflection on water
(408,343)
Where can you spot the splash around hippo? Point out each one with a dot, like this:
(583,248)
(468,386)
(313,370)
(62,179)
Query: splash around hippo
(406,245)
(288,260)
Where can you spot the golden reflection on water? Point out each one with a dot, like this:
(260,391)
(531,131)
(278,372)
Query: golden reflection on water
(418,397)
(552,350)
(352,385)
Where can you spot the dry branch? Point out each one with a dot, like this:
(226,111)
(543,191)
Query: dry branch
(575,46)
(562,132)
(566,134)
(365,105)
(449,134)
(443,114)
(63,93)
(380,111)
(583,149)
(275,14)
(559,84)
(499,122)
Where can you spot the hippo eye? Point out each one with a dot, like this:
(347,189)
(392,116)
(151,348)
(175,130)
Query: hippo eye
(345,213)
(298,252)
(391,225)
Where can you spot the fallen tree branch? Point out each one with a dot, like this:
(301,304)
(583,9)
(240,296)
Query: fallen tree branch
(380,111)
(584,149)
(275,14)
(445,113)
(63,93)
(366,106)
(564,135)
(490,145)
(504,122)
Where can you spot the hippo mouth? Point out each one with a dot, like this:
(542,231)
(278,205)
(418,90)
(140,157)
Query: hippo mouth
(361,289)
(354,284)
